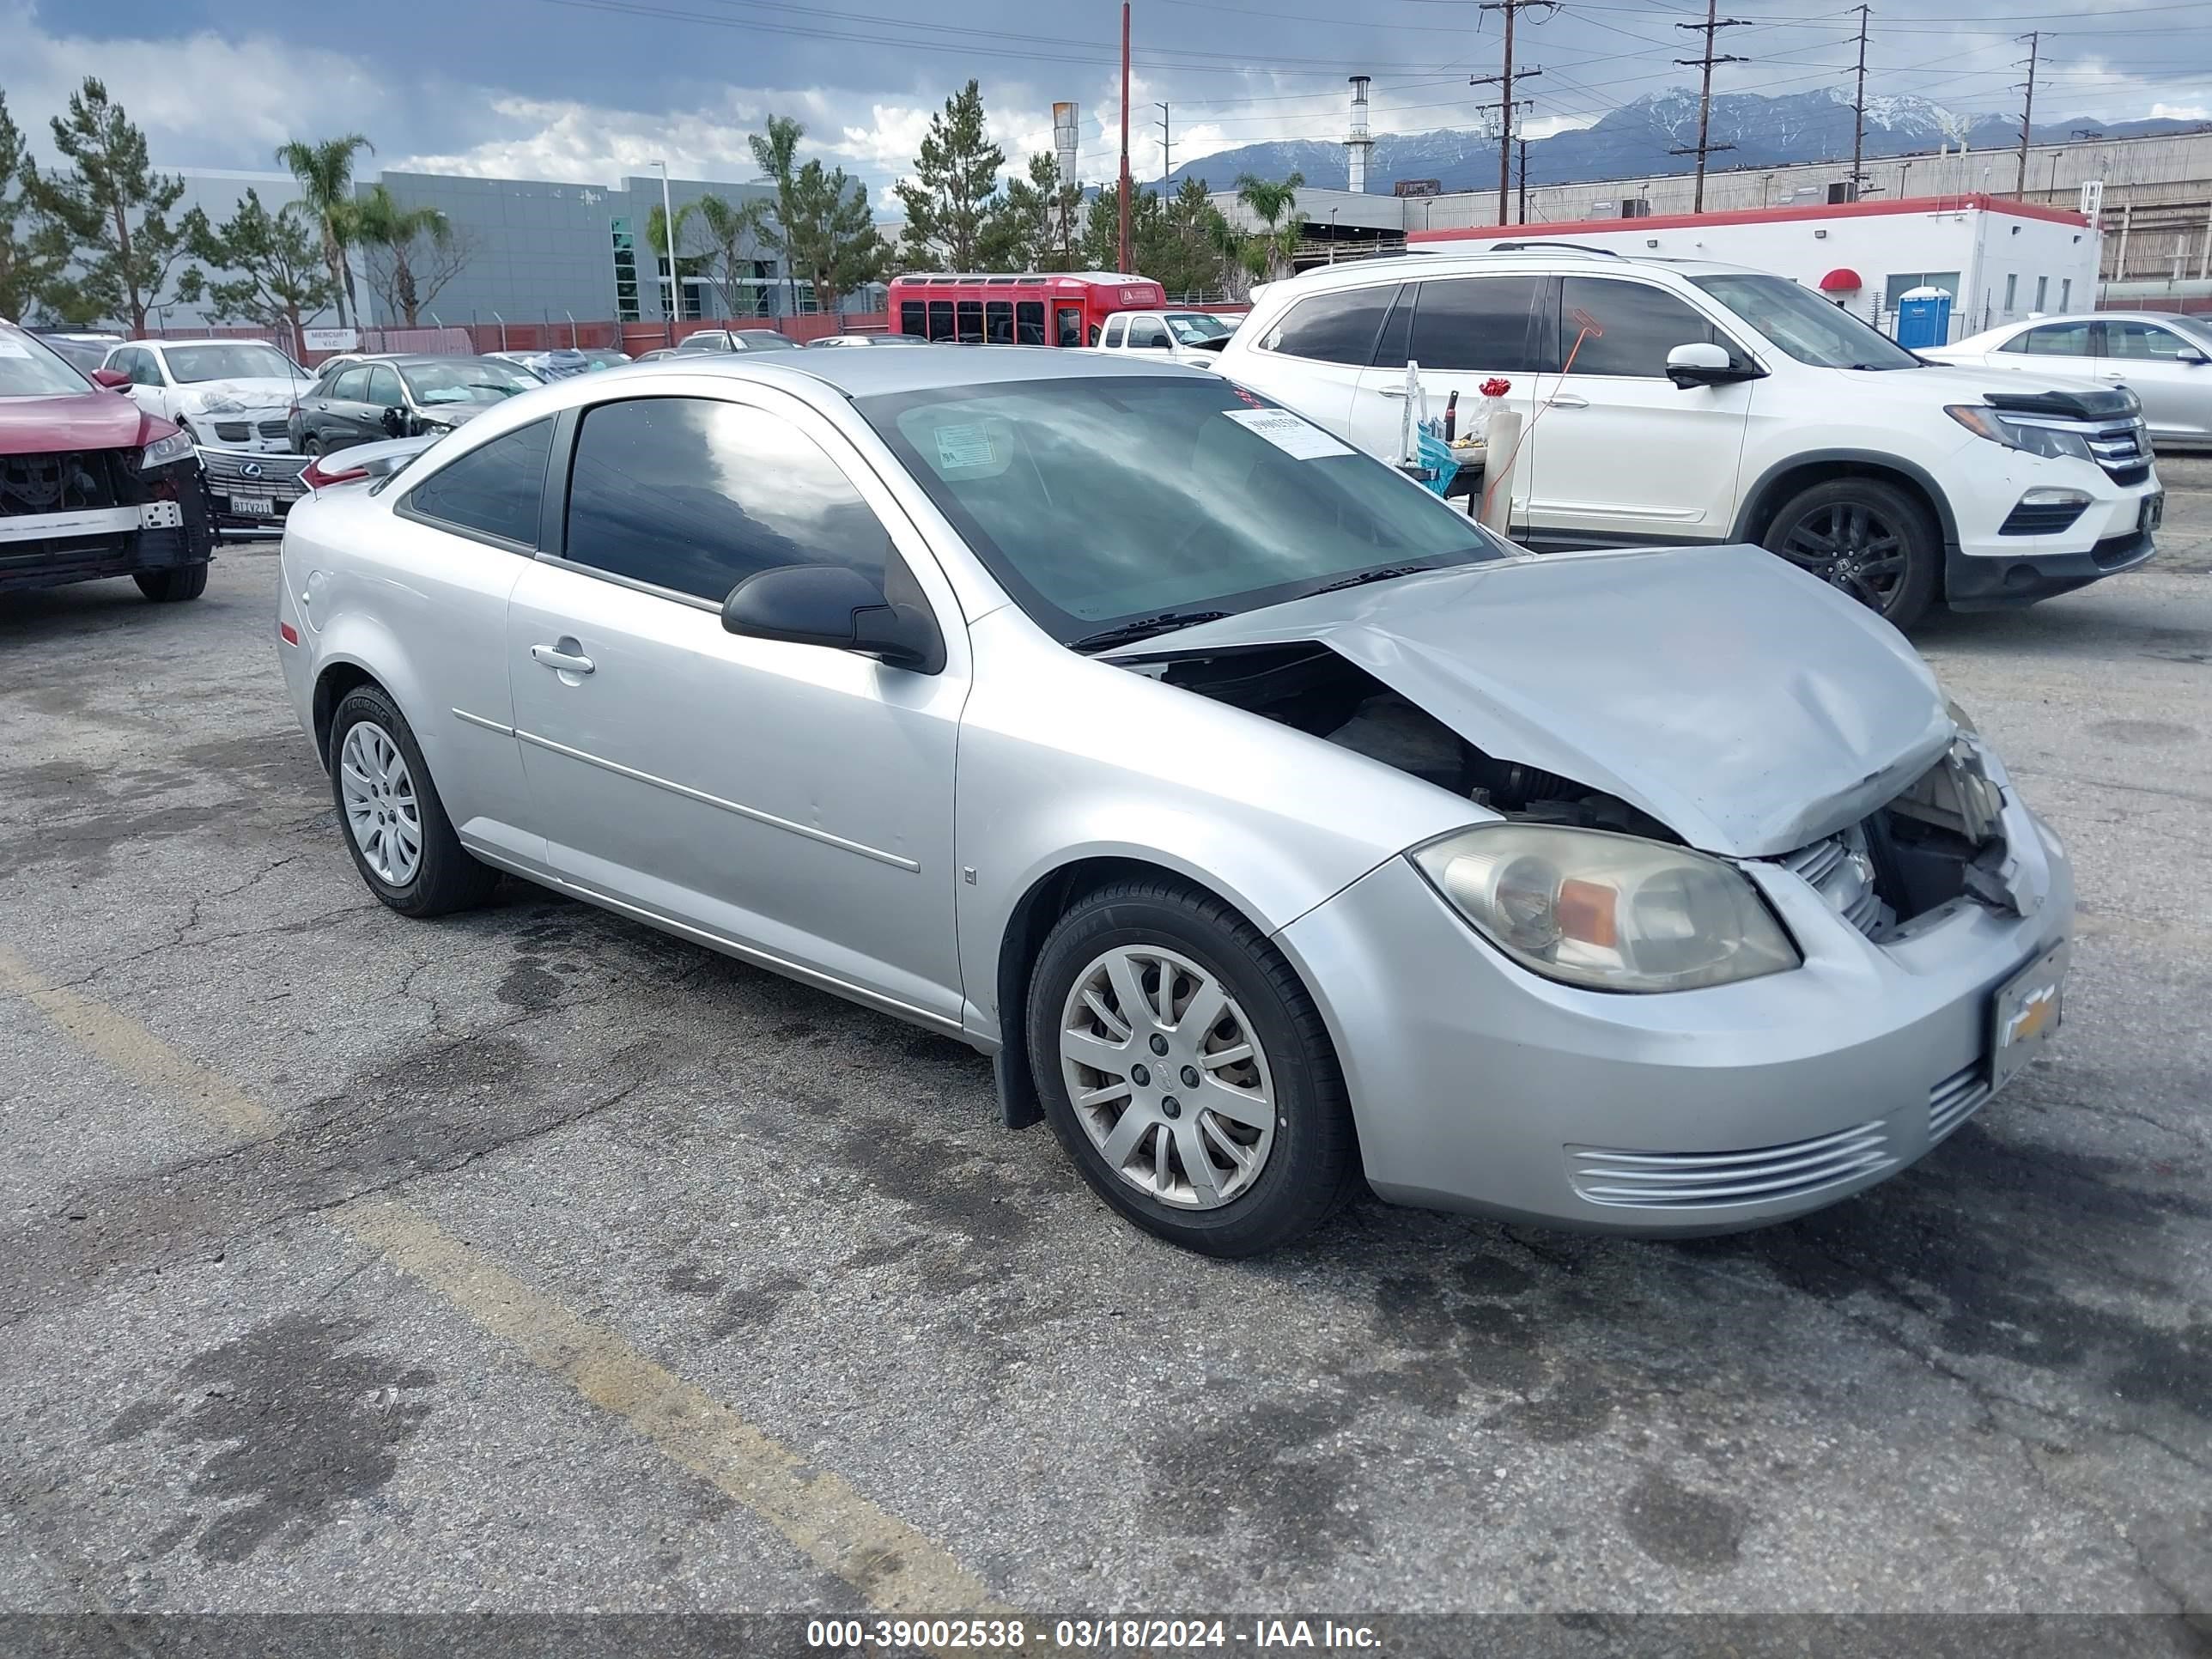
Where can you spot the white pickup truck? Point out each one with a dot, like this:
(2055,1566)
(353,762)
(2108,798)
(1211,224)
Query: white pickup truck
(1182,336)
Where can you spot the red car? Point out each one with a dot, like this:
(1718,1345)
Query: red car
(90,485)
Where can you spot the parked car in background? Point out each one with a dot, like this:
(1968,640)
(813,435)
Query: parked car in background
(2164,359)
(659,354)
(733,339)
(84,352)
(91,484)
(865,340)
(1196,337)
(554,365)
(228,394)
(1272,821)
(1681,401)
(401,397)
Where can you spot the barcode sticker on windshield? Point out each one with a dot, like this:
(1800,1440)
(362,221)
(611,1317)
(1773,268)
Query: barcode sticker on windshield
(1299,438)
(961,448)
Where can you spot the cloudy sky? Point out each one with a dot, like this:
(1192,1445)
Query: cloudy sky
(588,89)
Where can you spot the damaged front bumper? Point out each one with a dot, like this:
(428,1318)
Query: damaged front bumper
(1479,1086)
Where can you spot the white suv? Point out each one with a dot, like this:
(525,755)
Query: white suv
(1668,402)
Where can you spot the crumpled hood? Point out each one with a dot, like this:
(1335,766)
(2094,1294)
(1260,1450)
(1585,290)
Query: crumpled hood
(1742,702)
(81,420)
(254,391)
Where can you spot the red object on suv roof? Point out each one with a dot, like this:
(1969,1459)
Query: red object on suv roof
(90,485)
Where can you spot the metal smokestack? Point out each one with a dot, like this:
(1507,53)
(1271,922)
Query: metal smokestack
(1064,140)
(1357,144)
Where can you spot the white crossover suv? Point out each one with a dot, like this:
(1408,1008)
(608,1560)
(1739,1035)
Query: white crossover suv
(1670,401)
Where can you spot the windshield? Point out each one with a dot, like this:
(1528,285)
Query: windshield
(1190,327)
(245,360)
(28,369)
(1097,501)
(1809,328)
(467,380)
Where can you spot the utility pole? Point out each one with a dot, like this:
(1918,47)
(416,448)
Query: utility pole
(1712,26)
(2034,39)
(1521,213)
(1167,153)
(1858,111)
(1504,82)
(1122,189)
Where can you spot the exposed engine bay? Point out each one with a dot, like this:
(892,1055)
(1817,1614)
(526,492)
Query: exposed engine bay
(1940,841)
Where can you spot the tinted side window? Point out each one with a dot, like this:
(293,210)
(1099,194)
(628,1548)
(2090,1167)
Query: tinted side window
(1148,333)
(911,319)
(2143,342)
(695,495)
(1112,337)
(496,489)
(1640,327)
(383,387)
(1334,328)
(1486,323)
(2059,340)
(351,384)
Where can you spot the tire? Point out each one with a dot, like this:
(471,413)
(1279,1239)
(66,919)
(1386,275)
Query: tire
(174,585)
(311,445)
(372,742)
(1264,1184)
(1872,540)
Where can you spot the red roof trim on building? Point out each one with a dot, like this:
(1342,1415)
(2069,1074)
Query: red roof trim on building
(1917,204)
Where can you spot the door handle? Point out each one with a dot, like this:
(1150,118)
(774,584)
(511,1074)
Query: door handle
(1394,391)
(562,662)
(1566,400)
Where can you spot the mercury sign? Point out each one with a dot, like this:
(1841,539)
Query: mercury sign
(331,339)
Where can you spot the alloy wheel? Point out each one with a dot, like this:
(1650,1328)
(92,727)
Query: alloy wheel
(382,812)
(1167,1077)
(1851,546)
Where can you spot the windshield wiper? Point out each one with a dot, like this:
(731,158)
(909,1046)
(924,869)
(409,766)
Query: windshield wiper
(1143,629)
(1388,572)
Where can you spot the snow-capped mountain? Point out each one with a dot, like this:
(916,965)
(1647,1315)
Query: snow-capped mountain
(1638,139)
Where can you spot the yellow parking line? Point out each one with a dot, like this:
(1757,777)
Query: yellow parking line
(897,1568)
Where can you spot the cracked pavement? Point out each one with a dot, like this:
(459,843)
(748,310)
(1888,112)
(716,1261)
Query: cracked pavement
(1987,1386)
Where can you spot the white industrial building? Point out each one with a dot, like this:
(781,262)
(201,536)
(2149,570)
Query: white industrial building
(1999,260)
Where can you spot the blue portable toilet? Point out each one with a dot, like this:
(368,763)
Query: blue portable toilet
(1924,317)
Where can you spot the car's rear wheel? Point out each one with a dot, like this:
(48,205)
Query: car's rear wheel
(311,445)
(1869,538)
(1187,1071)
(179,582)
(396,826)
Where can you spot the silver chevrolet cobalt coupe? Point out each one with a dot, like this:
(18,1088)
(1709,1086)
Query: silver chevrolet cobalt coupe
(1271,823)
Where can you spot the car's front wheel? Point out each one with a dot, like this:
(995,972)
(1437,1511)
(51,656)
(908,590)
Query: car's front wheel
(1869,538)
(1185,1069)
(311,445)
(174,585)
(396,826)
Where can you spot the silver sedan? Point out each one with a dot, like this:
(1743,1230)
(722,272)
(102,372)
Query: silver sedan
(1271,823)
(2163,358)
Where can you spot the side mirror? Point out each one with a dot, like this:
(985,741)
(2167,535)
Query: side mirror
(2192,356)
(1703,363)
(395,422)
(834,606)
(114,379)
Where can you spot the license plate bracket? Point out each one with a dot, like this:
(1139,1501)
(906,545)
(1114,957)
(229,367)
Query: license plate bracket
(2025,1013)
(259,506)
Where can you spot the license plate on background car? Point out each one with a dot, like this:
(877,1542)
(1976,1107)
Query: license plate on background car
(2152,513)
(260,506)
(2028,1008)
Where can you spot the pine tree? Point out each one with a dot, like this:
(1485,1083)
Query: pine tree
(832,234)
(269,267)
(33,250)
(949,199)
(114,208)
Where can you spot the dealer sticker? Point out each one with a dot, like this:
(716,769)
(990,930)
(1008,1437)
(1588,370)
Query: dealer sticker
(963,448)
(1299,438)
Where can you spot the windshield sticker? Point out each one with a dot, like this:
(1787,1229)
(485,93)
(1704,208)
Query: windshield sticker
(1299,438)
(13,348)
(964,449)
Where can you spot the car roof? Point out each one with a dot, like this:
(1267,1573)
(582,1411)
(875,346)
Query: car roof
(1439,263)
(871,373)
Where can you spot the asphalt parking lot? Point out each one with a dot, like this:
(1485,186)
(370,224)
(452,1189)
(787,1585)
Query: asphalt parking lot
(532,1259)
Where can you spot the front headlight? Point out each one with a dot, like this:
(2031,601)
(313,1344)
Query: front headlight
(1614,912)
(177,446)
(2020,431)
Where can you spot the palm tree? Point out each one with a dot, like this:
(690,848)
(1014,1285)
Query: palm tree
(777,154)
(658,235)
(380,222)
(728,227)
(325,174)
(1271,251)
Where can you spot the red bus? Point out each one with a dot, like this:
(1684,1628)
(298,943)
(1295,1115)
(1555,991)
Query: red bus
(1057,309)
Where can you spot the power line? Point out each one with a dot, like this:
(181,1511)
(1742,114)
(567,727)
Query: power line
(1713,24)
(1504,82)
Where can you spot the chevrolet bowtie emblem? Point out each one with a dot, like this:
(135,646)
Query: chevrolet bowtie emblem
(2034,1017)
